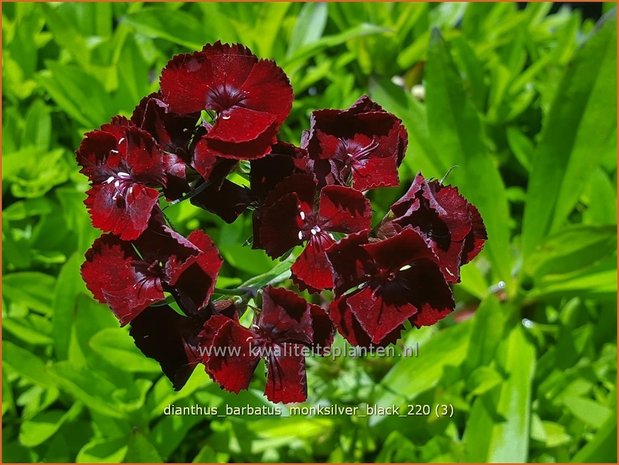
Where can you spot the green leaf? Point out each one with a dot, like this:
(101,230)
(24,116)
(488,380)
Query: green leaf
(498,427)
(603,446)
(111,450)
(68,285)
(141,450)
(588,411)
(26,364)
(30,288)
(577,132)
(170,431)
(447,347)
(43,426)
(486,333)
(457,134)
(87,386)
(117,347)
(309,27)
(176,26)
(482,380)
(71,86)
(572,249)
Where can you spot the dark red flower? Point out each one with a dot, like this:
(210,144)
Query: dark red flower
(291,217)
(452,227)
(360,147)
(172,339)
(381,284)
(173,133)
(286,325)
(251,98)
(130,276)
(122,163)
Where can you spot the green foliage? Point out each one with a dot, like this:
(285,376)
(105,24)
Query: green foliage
(520,103)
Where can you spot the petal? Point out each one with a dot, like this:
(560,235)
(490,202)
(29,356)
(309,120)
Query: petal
(169,338)
(380,311)
(193,281)
(124,213)
(285,317)
(312,270)
(430,293)
(349,260)
(185,81)
(349,327)
(204,159)
(302,185)
(241,125)
(172,131)
(93,153)
(375,172)
(227,353)
(230,63)
(286,381)
(322,328)
(344,209)
(227,201)
(475,240)
(110,273)
(283,161)
(249,150)
(398,251)
(279,230)
(159,241)
(409,202)
(268,89)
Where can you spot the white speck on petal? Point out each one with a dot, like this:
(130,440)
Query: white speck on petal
(302,215)
(121,140)
(117,184)
(109,180)
(123,175)
(300,236)
(225,116)
(405,267)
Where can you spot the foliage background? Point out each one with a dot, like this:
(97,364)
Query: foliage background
(522,100)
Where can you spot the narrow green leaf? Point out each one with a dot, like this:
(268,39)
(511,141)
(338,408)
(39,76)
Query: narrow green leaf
(309,27)
(498,427)
(176,26)
(571,249)
(577,132)
(68,285)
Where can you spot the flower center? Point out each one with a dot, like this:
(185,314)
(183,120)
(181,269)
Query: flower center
(224,97)
(308,226)
(349,154)
(123,184)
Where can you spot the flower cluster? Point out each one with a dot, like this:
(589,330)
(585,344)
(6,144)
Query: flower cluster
(220,109)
